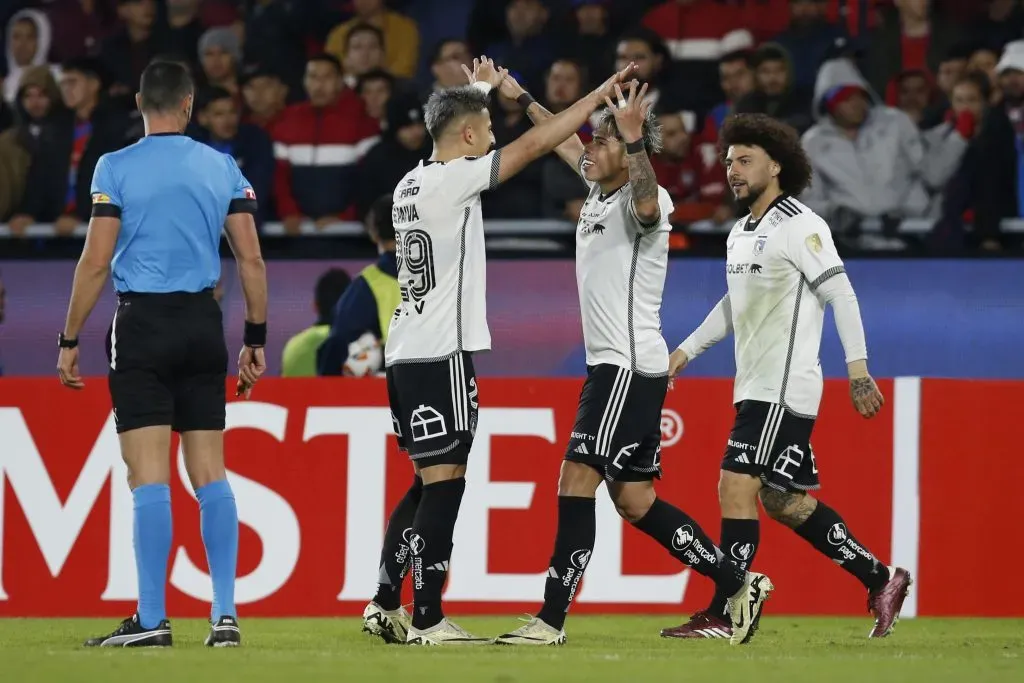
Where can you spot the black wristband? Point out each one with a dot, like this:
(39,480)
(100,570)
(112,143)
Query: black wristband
(635,147)
(255,335)
(525,100)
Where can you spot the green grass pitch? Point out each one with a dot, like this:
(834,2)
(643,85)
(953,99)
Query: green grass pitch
(622,649)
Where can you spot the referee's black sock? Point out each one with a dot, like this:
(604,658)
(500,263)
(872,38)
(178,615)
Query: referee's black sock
(687,542)
(827,532)
(740,538)
(574,543)
(394,554)
(431,546)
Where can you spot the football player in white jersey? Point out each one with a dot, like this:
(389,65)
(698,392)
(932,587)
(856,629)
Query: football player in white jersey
(782,270)
(440,323)
(621,260)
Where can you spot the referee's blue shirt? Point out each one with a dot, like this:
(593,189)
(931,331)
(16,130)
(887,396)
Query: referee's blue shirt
(172,195)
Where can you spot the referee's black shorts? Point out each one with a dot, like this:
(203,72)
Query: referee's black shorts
(168,362)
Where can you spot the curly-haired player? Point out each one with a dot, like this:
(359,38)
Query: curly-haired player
(782,269)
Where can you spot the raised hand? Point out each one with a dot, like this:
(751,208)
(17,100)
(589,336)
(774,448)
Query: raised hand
(866,397)
(485,71)
(510,87)
(607,88)
(630,113)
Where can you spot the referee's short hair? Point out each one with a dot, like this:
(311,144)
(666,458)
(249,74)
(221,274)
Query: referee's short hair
(779,140)
(449,105)
(165,84)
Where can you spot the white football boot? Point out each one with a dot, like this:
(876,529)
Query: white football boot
(392,626)
(444,632)
(533,632)
(745,607)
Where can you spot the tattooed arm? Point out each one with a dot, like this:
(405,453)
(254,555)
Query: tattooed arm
(630,115)
(569,151)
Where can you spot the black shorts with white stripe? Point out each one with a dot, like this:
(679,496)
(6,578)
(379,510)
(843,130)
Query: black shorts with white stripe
(618,424)
(773,444)
(434,408)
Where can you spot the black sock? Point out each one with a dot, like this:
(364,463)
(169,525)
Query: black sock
(574,543)
(430,544)
(688,543)
(740,538)
(394,554)
(827,532)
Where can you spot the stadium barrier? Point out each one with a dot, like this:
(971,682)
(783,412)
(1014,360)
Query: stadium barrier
(315,470)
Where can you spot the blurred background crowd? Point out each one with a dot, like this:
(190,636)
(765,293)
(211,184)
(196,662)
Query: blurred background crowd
(912,111)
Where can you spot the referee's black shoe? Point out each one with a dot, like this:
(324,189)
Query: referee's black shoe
(132,634)
(225,633)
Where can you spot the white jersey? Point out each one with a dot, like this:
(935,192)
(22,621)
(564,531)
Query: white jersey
(620,274)
(773,268)
(442,271)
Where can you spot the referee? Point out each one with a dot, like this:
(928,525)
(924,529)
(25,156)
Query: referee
(158,208)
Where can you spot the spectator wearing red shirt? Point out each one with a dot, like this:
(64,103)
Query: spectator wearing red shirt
(694,178)
(910,37)
(317,145)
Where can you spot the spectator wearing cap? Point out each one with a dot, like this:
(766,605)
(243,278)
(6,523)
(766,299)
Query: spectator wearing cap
(375,88)
(364,52)
(529,48)
(867,158)
(401,38)
(220,55)
(990,182)
(37,102)
(247,144)
(808,39)
(450,55)
(58,189)
(775,93)
(403,144)
(266,95)
(910,37)
(28,45)
(126,53)
(592,43)
(693,177)
(563,193)
(318,145)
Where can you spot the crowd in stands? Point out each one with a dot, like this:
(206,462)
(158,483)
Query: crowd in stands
(908,108)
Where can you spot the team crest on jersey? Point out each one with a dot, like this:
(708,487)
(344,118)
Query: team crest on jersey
(759,244)
(775,219)
(813,242)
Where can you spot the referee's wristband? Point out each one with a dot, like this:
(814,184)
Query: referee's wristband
(255,335)
(525,100)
